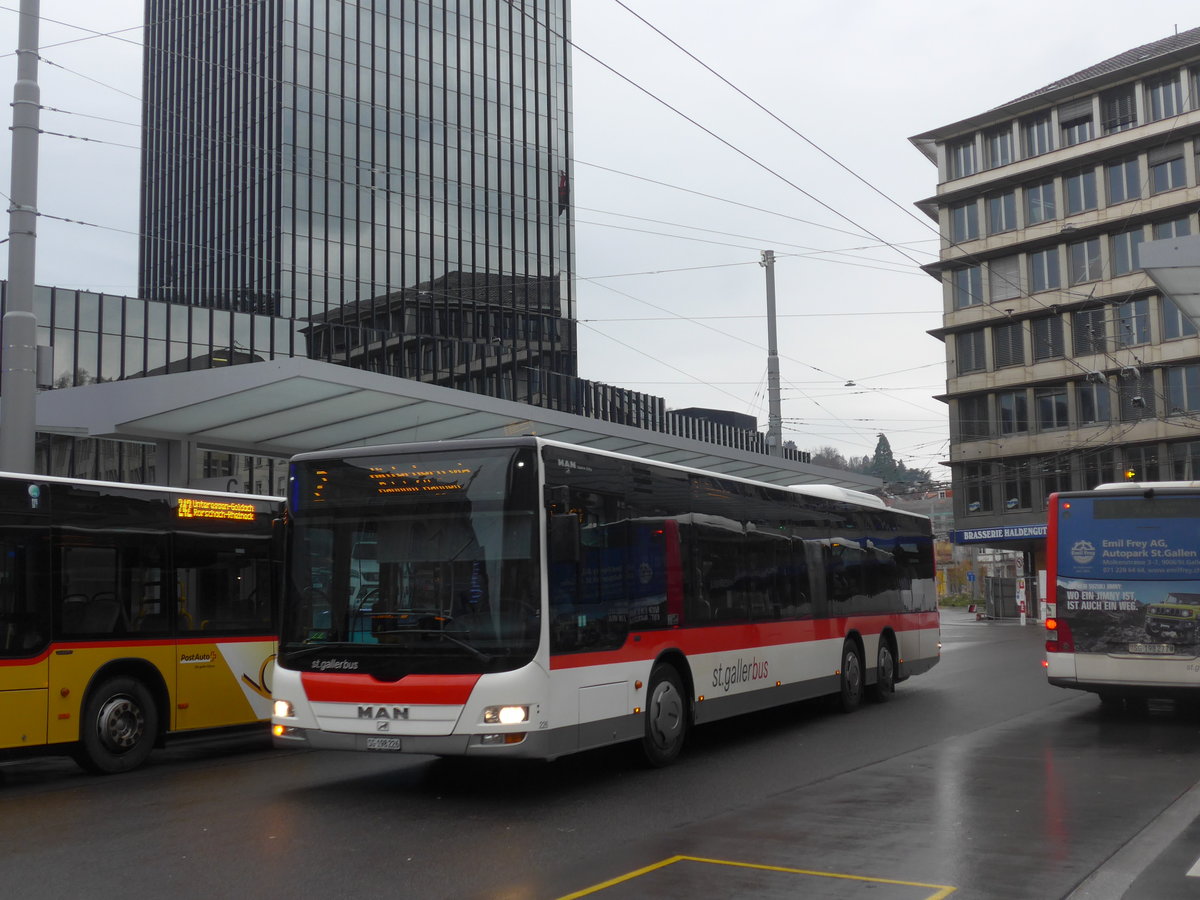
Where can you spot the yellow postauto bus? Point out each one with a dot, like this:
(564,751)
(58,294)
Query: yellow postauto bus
(128,612)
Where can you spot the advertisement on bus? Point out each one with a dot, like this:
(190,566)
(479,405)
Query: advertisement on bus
(1128,579)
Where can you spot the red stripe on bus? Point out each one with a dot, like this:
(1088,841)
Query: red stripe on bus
(648,644)
(133,645)
(344,687)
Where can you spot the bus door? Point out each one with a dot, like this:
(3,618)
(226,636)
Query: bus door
(106,584)
(223,612)
(24,635)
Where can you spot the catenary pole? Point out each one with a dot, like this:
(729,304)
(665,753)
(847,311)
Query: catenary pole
(774,417)
(18,375)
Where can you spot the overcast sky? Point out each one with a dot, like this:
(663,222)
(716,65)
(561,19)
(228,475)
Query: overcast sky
(671,295)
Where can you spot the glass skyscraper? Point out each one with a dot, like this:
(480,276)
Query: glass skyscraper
(389,177)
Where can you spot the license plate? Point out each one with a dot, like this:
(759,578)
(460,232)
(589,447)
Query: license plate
(1152,648)
(383,743)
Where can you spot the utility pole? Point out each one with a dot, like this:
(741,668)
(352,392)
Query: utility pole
(18,404)
(774,417)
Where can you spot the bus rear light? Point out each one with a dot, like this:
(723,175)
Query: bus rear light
(1058,636)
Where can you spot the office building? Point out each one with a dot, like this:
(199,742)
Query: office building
(1066,368)
(393,178)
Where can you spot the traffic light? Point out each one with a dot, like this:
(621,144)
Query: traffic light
(1130,474)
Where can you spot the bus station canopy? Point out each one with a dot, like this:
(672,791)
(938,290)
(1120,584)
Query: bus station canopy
(283,407)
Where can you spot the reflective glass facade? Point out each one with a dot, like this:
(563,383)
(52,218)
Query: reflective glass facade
(390,176)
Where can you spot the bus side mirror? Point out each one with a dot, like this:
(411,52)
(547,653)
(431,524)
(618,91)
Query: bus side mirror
(563,537)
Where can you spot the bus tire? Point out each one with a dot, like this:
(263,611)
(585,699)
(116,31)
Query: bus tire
(852,677)
(666,717)
(119,727)
(885,672)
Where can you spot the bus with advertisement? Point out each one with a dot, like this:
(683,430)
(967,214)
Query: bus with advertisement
(531,598)
(130,612)
(1123,592)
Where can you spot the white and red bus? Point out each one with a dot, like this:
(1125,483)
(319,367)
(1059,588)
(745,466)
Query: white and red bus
(1123,587)
(522,597)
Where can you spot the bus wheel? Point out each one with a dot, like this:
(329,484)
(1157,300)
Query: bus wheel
(885,673)
(666,717)
(120,722)
(852,677)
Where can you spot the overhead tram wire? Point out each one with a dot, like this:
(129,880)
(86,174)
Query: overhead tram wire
(777,118)
(725,142)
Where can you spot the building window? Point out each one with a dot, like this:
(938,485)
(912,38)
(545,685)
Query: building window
(1175,324)
(968,286)
(1123,248)
(970,352)
(1118,110)
(1135,393)
(1017,484)
(1004,278)
(964,222)
(1083,257)
(997,147)
(1133,323)
(1164,98)
(1080,189)
(1172,229)
(1055,472)
(977,488)
(1008,345)
(1166,169)
(973,418)
(1047,337)
(961,158)
(1039,203)
(1123,181)
(1075,121)
(1143,462)
(1051,405)
(1012,412)
(1036,136)
(1183,389)
(1098,468)
(1089,332)
(1002,212)
(1043,270)
(1091,400)
(1185,461)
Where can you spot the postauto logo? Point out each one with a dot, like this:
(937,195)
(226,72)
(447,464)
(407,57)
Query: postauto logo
(1083,552)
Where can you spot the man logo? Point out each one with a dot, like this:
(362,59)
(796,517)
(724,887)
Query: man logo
(382,725)
(1083,552)
(383,712)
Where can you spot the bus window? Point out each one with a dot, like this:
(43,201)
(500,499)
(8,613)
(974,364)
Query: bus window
(110,584)
(223,584)
(24,574)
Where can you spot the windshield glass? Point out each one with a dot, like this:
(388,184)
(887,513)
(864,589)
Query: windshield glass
(413,563)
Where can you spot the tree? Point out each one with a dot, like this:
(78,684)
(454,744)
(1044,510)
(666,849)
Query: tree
(829,457)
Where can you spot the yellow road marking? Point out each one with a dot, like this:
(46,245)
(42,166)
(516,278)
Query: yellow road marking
(941,890)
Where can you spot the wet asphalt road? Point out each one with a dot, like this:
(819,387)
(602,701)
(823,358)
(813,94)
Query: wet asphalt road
(978,780)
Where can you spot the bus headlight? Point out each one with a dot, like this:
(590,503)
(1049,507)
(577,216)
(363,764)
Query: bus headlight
(284,710)
(505,715)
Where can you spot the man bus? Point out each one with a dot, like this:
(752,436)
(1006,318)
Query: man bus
(534,599)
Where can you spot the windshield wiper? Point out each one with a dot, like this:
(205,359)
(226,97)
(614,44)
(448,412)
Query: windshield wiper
(313,649)
(479,654)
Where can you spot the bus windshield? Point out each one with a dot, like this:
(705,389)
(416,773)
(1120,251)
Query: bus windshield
(425,563)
